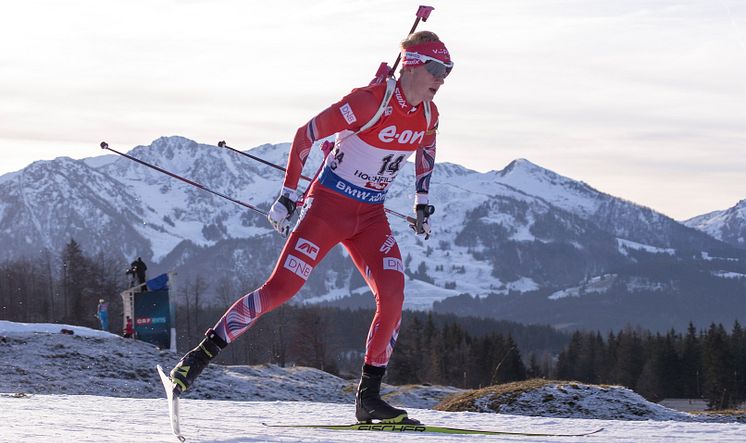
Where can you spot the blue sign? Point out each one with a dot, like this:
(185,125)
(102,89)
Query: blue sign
(153,318)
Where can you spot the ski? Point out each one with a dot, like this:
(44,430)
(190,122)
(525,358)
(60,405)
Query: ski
(396,427)
(173,403)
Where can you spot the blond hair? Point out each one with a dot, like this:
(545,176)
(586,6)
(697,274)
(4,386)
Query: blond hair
(419,37)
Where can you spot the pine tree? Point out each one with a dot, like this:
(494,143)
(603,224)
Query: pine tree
(79,297)
(738,351)
(691,364)
(717,365)
(629,359)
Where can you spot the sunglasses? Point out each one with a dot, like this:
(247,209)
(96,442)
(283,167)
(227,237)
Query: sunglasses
(437,68)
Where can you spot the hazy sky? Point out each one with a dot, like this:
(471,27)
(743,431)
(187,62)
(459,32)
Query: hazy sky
(645,100)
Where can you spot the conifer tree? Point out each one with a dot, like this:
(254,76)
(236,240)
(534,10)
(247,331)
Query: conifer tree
(717,365)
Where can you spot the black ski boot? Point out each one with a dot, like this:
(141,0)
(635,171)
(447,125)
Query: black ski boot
(368,403)
(192,364)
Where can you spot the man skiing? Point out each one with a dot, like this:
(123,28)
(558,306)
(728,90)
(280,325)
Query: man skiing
(345,205)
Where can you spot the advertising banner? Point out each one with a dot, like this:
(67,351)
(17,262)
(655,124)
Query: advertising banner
(153,317)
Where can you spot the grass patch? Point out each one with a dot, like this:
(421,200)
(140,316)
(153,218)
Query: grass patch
(498,395)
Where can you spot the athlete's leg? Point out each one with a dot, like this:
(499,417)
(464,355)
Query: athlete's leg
(377,257)
(306,246)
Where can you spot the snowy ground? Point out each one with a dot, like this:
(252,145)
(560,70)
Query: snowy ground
(94,387)
(85,418)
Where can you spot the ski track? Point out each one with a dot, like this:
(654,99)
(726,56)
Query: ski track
(87,418)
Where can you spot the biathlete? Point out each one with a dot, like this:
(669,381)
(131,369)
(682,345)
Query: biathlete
(345,205)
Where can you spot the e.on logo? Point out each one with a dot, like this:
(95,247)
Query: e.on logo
(298,267)
(389,134)
(307,248)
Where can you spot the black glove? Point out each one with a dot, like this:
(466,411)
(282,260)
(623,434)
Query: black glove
(421,225)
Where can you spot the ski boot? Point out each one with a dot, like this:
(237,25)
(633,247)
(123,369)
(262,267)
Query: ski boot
(192,364)
(368,403)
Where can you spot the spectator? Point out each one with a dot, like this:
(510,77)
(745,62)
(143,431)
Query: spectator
(137,272)
(129,330)
(102,314)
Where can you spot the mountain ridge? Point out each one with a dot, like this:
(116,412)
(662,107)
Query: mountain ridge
(520,230)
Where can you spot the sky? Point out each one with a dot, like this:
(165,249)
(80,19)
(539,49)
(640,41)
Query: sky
(644,100)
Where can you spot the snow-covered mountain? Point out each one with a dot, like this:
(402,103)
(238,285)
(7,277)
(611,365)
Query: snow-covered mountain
(523,229)
(728,225)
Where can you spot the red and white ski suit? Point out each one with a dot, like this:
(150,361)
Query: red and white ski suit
(345,205)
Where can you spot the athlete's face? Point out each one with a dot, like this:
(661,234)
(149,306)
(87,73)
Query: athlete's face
(425,85)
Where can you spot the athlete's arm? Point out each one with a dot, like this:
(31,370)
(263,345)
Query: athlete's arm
(425,161)
(351,113)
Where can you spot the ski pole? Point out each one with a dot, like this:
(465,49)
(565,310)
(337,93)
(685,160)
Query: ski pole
(105,145)
(423,12)
(222,144)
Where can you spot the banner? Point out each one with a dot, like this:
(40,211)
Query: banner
(153,317)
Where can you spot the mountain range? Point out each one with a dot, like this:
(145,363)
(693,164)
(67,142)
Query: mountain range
(523,243)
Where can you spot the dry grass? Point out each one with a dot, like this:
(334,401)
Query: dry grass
(728,412)
(504,394)
(499,395)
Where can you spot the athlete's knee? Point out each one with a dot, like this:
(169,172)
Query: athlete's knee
(390,305)
(279,289)
(391,292)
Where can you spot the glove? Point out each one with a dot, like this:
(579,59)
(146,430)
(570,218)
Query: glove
(421,225)
(282,210)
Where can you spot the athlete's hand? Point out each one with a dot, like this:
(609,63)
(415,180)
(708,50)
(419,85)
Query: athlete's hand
(421,226)
(282,210)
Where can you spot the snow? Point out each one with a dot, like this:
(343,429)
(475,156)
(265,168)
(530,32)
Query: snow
(728,274)
(523,284)
(560,191)
(595,285)
(93,387)
(101,160)
(577,400)
(13,328)
(718,223)
(707,257)
(420,295)
(86,418)
(625,245)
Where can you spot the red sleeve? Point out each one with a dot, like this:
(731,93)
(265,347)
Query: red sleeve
(352,112)
(425,158)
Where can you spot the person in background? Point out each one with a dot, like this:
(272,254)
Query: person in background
(137,272)
(129,330)
(102,314)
